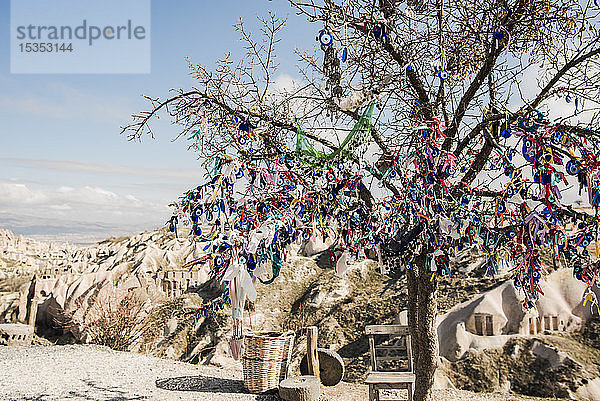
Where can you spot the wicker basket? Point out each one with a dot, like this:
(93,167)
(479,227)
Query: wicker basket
(266,359)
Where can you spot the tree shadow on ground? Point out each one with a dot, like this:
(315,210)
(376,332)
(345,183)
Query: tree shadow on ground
(208,384)
(96,392)
(104,393)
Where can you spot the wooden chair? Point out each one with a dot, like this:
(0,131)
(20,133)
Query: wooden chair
(378,379)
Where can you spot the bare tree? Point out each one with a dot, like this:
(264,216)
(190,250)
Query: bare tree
(465,93)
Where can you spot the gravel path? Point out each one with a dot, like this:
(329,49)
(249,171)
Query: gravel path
(89,372)
(94,373)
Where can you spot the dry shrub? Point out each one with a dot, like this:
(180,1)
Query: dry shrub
(113,318)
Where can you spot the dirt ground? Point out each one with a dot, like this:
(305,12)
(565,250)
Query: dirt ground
(90,372)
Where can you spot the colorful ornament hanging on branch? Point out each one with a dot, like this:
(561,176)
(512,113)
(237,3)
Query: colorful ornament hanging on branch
(304,194)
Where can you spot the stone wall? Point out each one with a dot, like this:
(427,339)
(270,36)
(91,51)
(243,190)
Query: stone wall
(176,282)
(15,334)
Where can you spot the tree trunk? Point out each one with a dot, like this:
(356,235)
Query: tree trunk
(422,311)
(302,388)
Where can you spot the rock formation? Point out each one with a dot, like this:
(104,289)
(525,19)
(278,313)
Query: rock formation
(490,319)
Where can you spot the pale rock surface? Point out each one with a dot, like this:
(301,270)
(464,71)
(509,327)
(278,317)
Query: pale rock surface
(549,353)
(563,298)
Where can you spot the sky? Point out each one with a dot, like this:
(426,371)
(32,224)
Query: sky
(64,167)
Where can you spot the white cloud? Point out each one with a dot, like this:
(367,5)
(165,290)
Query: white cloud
(285,83)
(62,207)
(87,204)
(11,192)
(106,169)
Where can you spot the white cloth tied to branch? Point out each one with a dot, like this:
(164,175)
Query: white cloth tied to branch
(240,288)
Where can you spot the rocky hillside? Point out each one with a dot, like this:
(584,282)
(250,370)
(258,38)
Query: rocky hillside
(307,292)
(544,366)
(20,259)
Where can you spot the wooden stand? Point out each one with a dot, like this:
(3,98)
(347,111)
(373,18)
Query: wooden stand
(302,388)
(311,351)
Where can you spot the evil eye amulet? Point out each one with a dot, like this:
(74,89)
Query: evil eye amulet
(443,74)
(529,122)
(289,161)
(325,37)
(528,152)
(244,127)
(197,230)
(262,208)
(546,178)
(377,31)
(572,167)
(556,137)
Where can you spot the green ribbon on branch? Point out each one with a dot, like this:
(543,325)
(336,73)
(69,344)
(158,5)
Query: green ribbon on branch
(308,155)
(305,152)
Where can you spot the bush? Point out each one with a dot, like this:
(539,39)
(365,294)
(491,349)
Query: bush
(115,319)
